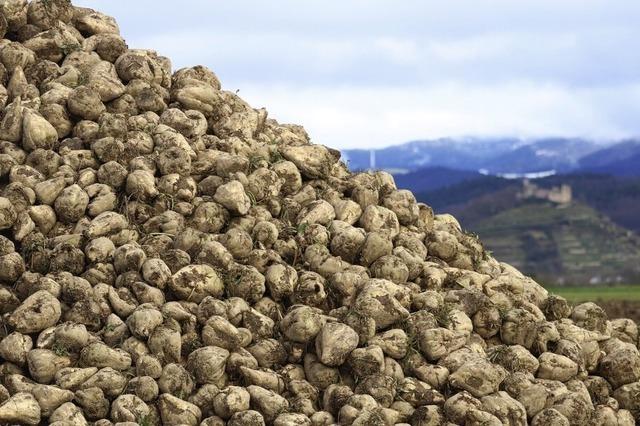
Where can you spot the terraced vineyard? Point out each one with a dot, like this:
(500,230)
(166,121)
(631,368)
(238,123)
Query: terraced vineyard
(562,244)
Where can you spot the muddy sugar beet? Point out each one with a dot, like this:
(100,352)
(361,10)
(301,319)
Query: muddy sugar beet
(170,255)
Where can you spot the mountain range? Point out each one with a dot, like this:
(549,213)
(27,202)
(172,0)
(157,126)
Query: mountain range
(511,157)
(622,159)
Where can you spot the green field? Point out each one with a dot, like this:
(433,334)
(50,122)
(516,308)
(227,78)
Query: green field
(594,293)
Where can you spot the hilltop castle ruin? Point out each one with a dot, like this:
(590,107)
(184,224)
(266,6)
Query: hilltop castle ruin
(558,194)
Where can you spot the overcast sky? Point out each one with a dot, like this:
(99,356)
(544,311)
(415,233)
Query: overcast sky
(365,73)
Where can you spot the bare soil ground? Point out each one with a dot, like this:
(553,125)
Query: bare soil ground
(621,308)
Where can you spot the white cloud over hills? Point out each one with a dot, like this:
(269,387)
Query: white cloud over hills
(371,73)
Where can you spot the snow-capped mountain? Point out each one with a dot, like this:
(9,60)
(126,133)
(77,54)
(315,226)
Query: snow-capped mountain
(498,156)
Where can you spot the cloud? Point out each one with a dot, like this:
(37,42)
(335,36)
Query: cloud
(348,117)
(473,48)
(376,72)
(398,50)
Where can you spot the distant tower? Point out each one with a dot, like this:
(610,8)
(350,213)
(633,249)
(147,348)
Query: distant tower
(372,159)
(566,193)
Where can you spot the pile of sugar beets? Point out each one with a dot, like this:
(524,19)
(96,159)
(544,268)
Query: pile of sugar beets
(170,255)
